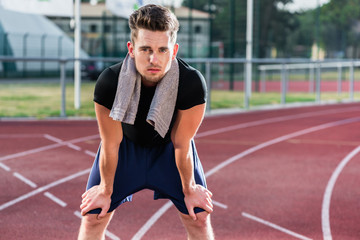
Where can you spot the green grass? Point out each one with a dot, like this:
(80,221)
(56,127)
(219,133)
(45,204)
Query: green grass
(235,99)
(43,100)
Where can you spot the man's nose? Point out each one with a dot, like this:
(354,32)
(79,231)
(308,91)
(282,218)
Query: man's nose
(153,57)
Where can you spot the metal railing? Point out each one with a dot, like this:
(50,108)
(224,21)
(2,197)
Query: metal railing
(283,66)
(62,78)
(312,66)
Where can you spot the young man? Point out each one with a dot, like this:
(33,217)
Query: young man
(164,98)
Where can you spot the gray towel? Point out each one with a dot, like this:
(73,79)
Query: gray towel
(127,97)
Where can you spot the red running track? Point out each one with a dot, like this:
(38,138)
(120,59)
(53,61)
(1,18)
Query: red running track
(275,174)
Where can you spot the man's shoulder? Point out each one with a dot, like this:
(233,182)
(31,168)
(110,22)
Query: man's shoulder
(187,71)
(192,86)
(116,67)
(110,73)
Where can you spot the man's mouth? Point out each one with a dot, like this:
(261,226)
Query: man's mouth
(153,70)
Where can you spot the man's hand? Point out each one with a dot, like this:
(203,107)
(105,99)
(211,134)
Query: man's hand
(199,197)
(95,197)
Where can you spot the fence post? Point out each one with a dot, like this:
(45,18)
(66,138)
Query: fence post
(283,83)
(318,82)
(26,35)
(246,92)
(287,78)
(63,87)
(263,80)
(208,83)
(351,88)
(339,90)
(60,38)
(42,42)
(311,80)
(5,65)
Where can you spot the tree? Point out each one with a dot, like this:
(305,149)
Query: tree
(271,24)
(300,40)
(275,26)
(338,19)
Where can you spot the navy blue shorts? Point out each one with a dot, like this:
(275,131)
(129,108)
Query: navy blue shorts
(147,168)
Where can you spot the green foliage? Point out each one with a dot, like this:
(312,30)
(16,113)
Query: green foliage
(291,33)
(271,27)
(341,13)
(338,19)
(275,29)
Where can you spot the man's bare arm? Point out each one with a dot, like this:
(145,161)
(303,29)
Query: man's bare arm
(111,137)
(185,127)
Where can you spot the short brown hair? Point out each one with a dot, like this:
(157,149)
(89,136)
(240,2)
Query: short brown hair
(155,18)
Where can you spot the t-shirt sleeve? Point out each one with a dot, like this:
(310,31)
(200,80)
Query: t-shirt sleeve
(105,88)
(192,90)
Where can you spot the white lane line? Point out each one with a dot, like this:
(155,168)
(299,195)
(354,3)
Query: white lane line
(44,148)
(83,139)
(43,188)
(325,212)
(158,214)
(5,205)
(107,233)
(277,140)
(52,138)
(272,225)
(28,152)
(273,120)
(72,146)
(78,214)
(58,140)
(225,163)
(6,168)
(151,221)
(92,154)
(25,180)
(30,183)
(219,204)
(111,235)
(55,199)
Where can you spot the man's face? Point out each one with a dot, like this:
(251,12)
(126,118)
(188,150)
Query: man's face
(153,52)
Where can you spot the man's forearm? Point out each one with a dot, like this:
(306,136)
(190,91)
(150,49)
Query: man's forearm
(107,168)
(111,137)
(184,163)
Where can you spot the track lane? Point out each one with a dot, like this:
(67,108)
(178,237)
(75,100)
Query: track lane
(205,148)
(272,142)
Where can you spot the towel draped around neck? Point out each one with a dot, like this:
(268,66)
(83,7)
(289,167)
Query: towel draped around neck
(128,92)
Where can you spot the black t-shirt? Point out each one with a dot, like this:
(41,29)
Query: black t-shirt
(191,92)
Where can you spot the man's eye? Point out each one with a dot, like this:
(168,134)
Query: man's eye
(163,50)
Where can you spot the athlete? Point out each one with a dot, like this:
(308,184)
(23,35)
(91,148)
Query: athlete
(135,156)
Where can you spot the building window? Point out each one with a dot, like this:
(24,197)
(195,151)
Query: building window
(198,29)
(93,28)
(107,28)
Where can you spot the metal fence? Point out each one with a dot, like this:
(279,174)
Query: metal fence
(314,79)
(229,74)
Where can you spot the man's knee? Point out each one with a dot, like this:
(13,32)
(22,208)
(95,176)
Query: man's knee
(202,221)
(90,224)
(90,220)
(199,229)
